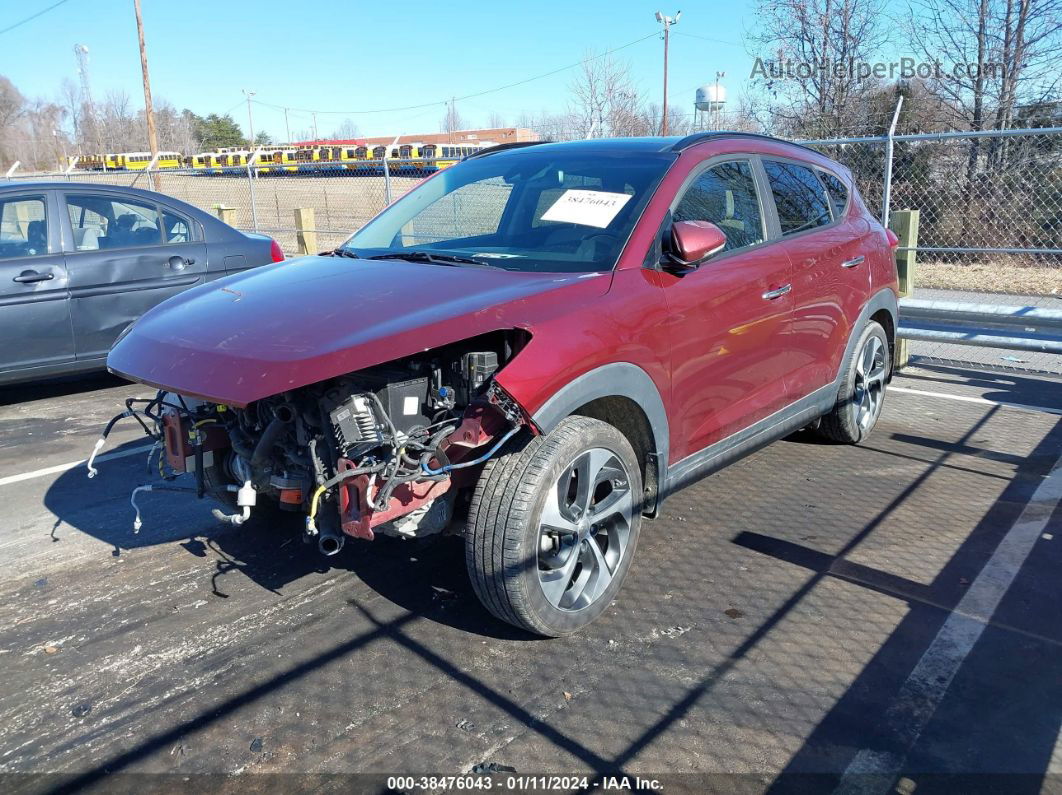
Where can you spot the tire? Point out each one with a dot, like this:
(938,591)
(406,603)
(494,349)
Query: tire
(554,577)
(862,392)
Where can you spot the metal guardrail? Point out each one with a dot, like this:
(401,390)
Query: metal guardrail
(1018,328)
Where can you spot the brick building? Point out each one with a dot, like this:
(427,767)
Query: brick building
(496,135)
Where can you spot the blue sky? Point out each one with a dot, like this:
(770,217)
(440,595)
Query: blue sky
(330,55)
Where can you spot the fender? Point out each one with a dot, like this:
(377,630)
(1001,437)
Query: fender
(884,298)
(616,379)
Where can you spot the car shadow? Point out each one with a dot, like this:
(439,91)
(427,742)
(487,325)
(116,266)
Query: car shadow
(427,577)
(60,386)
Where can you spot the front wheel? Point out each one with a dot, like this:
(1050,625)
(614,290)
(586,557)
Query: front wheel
(553,526)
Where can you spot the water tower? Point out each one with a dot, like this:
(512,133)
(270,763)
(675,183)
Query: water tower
(710,99)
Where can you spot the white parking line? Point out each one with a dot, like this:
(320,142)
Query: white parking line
(969,399)
(39,473)
(919,696)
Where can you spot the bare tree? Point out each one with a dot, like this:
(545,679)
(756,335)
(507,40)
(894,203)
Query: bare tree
(993,55)
(12,109)
(452,121)
(496,120)
(604,99)
(346,131)
(812,45)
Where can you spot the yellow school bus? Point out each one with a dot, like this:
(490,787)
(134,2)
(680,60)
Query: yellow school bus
(138,161)
(283,160)
(206,162)
(306,156)
(436,157)
(233,161)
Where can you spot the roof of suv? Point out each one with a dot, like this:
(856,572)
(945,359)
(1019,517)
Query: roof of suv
(644,145)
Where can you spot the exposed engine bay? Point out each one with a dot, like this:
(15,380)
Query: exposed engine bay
(390,449)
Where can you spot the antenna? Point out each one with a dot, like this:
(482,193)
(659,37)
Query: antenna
(81,53)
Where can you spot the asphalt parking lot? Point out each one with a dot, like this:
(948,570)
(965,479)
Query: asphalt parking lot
(877,616)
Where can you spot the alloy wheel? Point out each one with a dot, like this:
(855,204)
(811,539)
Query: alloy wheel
(868,393)
(584,529)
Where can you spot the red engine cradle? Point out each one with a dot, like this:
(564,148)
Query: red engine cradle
(178,444)
(480,425)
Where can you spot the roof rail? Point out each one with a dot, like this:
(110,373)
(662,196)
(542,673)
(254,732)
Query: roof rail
(701,137)
(502,147)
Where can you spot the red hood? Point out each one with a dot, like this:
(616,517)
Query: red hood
(284,326)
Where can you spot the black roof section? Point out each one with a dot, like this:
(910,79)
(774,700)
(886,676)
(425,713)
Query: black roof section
(701,137)
(643,144)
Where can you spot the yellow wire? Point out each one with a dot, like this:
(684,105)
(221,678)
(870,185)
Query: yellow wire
(315,502)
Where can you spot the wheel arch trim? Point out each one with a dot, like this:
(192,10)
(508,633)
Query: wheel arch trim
(616,379)
(885,299)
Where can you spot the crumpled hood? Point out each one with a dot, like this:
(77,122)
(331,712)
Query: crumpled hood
(283,326)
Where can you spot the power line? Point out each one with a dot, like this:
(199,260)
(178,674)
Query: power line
(708,38)
(31,17)
(467,96)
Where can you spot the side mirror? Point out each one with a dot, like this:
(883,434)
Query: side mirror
(692,242)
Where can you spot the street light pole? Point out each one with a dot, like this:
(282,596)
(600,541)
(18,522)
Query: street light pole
(667,22)
(250,116)
(149,111)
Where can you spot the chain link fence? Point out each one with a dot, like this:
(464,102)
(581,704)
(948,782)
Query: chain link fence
(989,222)
(989,206)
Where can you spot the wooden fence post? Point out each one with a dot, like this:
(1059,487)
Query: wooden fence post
(306,230)
(226,214)
(904,224)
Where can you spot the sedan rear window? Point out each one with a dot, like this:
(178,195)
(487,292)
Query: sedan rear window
(798,196)
(107,222)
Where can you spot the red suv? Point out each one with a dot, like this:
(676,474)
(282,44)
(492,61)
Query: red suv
(532,348)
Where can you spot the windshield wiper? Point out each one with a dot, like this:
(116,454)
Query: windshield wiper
(342,252)
(433,257)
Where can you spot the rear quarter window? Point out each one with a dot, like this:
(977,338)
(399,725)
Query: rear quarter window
(799,196)
(837,192)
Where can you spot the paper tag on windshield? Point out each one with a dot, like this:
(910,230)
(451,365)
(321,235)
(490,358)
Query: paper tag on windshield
(586,207)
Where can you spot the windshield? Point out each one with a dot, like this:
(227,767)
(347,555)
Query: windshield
(543,209)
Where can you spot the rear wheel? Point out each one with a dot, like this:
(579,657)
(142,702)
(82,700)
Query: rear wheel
(862,392)
(553,527)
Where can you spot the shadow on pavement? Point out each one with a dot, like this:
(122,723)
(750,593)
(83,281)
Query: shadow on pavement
(1014,727)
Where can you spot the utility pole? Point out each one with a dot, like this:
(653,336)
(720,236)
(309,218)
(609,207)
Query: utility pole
(315,136)
(667,22)
(287,127)
(149,111)
(250,117)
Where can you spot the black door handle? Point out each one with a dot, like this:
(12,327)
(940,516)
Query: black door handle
(179,263)
(28,277)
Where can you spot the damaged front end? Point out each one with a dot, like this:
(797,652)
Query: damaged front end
(391,449)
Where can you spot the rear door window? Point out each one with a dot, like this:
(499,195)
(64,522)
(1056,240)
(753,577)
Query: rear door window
(726,195)
(23,227)
(799,197)
(111,222)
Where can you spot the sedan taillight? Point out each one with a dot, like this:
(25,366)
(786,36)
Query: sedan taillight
(275,251)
